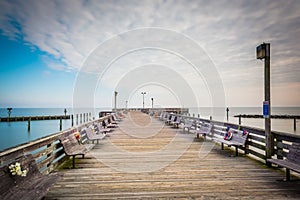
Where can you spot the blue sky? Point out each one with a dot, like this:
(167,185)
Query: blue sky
(46,48)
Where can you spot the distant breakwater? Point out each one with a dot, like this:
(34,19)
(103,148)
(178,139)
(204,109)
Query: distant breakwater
(34,118)
(294,117)
(272,116)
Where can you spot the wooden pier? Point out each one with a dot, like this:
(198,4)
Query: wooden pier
(33,118)
(218,175)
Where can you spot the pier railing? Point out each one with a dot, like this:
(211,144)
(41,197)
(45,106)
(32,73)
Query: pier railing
(47,151)
(256,141)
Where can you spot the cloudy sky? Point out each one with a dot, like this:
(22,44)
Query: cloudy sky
(181,53)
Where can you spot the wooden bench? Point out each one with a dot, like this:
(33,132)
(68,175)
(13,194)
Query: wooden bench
(92,135)
(188,124)
(292,161)
(205,129)
(164,116)
(171,118)
(238,139)
(176,122)
(100,129)
(32,186)
(109,124)
(73,148)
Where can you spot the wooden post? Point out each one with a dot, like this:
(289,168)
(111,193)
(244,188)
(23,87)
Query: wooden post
(80,118)
(72,120)
(76,119)
(240,119)
(227,111)
(60,123)
(28,127)
(295,124)
(263,52)
(269,136)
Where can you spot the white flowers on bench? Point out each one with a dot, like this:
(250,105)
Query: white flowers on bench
(16,169)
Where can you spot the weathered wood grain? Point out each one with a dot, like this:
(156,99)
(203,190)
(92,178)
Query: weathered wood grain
(193,175)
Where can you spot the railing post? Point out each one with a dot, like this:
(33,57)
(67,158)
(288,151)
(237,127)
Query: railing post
(72,120)
(279,148)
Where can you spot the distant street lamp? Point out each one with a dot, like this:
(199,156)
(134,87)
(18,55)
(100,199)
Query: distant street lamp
(143,93)
(126,104)
(152,101)
(116,93)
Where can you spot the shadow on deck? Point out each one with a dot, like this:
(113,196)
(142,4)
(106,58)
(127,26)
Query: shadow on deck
(145,159)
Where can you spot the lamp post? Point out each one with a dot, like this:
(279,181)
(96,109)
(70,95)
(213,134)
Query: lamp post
(263,52)
(116,93)
(143,93)
(152,102)
(126,102)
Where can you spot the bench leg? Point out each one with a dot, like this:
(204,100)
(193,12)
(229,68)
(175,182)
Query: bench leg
(236,151)
(222,146)
(287,174)
(73,162)
(204,136)
(197,135)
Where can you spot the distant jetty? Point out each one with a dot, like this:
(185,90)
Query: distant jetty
(272,116)
(34,118)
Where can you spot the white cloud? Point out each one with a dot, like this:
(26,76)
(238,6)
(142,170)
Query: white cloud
(68,31)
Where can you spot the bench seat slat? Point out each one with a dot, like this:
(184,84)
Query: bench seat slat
(286,163)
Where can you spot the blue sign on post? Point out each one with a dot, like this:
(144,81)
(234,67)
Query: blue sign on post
(266,110)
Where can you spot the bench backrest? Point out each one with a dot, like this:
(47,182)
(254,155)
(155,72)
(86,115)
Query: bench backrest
(188,122)
(172,118)
(90,133)
(206,127)
(70,143)
(8,180)
(238,136)
(294,153)
(178,119)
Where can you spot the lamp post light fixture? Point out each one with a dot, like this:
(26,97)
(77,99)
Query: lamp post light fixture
(143,93)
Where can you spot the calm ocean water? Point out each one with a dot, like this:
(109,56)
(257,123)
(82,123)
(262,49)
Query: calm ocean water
(15,133)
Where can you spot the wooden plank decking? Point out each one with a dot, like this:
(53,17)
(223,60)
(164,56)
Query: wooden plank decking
(163,162)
